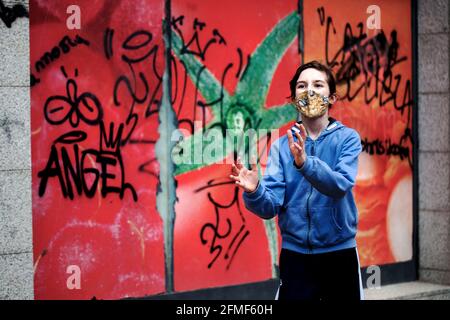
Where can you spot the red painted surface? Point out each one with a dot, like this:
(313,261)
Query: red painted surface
(115,239)
(203,230)
(377,101)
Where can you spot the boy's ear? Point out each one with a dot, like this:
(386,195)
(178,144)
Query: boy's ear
(332,98)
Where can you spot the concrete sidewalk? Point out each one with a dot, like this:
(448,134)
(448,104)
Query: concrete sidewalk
(409,291)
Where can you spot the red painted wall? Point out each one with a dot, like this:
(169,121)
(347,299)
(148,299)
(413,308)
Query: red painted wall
(95,101)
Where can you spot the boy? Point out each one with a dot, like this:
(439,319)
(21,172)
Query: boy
(308,183)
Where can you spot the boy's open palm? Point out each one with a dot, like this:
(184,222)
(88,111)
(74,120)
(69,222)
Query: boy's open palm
(246,179)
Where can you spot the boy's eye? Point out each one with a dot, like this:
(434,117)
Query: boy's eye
(300,86)
(318,85)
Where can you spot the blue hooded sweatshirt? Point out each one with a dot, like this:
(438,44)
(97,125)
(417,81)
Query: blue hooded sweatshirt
(314,203)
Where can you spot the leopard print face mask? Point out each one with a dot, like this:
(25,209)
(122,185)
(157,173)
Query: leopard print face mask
(311,104)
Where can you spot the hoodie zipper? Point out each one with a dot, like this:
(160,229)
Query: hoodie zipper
(307,206)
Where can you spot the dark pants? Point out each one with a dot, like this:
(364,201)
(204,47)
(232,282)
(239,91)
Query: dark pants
(325,276)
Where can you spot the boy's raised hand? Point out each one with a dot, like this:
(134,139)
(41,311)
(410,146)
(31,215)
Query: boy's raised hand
(298,148)
(246,179)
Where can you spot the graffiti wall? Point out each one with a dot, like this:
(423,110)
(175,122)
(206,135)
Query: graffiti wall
(95,97)
(374,74)
(116,83)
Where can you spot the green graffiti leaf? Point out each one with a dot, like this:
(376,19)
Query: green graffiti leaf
(251,91)
(276,117)
(253,88)
(207,84)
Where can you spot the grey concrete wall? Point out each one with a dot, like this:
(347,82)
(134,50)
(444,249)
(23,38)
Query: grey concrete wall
(16,262)
(434,143)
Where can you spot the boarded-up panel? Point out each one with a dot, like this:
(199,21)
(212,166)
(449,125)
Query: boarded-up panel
(94,120)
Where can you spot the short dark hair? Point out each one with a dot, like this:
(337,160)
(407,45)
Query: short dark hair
(318,66)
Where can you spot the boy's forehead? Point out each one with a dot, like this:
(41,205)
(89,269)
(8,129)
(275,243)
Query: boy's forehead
(312,74)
